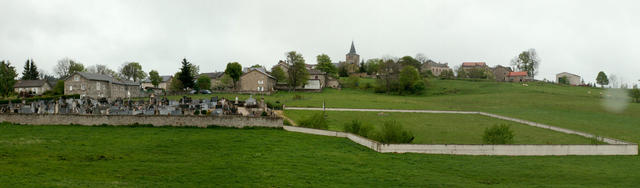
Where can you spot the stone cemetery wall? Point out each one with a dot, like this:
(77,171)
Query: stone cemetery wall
(155,120)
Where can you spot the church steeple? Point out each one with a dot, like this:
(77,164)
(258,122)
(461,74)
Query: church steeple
(353,49)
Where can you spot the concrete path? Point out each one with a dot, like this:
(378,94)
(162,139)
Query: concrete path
(530,123)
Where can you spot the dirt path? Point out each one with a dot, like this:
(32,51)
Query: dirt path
(280,113)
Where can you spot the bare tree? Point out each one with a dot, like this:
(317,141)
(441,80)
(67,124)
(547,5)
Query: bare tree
(62,68)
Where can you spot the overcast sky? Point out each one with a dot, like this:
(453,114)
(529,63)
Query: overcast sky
(581,37)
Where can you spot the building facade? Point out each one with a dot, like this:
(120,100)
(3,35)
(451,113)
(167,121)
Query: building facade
(435,68)
(518,77)
(100,86)
(36,87)
(257,81)
(572,78)
(501,73)
(165,82)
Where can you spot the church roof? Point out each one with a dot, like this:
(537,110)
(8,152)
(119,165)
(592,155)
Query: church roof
(353,49)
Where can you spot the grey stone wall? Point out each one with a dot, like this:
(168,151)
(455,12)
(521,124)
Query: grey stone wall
(118,120)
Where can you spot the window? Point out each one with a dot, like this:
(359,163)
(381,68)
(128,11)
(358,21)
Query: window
(82,87)
(76,78)
(98,86)
(70,88)
(260,82)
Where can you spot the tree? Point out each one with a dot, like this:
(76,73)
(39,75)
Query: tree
(257,66)
(602,79)
(447,74)
(410,80)
(7,78)
(280,75)
(342,70)
(410,61)
(132,71)
(297,72)
(30,71)
(361,69)
(66,67)
(185,75)
(498,134)
(527,61)
(635,94)
(58,89)
(325,65)
(234,70)
(155,78)
(372,65)
(225,82)
(103,70)
(204,82)
(387,76)
(460,73)
(176,84)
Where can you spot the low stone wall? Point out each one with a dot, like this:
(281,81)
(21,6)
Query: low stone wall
(461,149)
(119,120)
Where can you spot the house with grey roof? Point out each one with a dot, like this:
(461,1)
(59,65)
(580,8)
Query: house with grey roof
(214,77)
(36,87)
(165,82)
(100,86)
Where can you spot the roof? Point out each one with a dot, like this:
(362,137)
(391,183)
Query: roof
(316,71)
(249,69)
(30,83)
(567,73)
(165,78)
(517,74)
(473,64)
(353,49)
(260,71)
(106,78)
(213,75)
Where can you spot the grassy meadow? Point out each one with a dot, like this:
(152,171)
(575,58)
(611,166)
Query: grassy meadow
(77,156)
(443,128)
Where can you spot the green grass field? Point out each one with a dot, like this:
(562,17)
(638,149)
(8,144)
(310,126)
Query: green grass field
(577,108)
(444,128)
(76,156)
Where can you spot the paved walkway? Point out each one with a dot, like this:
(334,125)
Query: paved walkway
(530,123)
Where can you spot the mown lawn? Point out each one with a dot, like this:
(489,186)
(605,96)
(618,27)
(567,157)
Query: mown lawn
(443,128)
(77,156)
(577,108)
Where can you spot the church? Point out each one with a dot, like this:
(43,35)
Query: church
(352,60)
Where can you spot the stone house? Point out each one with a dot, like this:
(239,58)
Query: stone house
(37,87)
(435,68)
(518,77)
(257,81)
(501,72)
(99,86)
(215,78)
(572,78)
(165,82)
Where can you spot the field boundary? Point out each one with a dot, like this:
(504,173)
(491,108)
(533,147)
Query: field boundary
(614,146)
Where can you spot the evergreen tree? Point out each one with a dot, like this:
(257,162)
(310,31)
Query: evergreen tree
(7,78)
(602,79)
(185,76)
(30,71)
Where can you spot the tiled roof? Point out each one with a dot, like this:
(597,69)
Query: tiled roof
(29,83)
(213,75)
(259,70)
(316,71)
(473,64)
(106,78)
(517,74)
(162,79)
(568,74)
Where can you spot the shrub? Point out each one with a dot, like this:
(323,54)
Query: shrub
(352,82)
(286,122)
(316,121)
(356,127)
(197,112)
(264,113)
(498,134)
(297,97)
(393,133)
(203,112)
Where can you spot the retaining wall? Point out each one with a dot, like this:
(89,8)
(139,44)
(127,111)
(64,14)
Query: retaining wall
(462,149)
(157,120)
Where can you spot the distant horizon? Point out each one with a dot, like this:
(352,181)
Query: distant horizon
(158,34)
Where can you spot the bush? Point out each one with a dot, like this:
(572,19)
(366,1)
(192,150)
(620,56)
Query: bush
(264,113)
(276,106)
(352,82)
(498,134)
(393,133)
(356,127)
(316,121)
(204,112)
